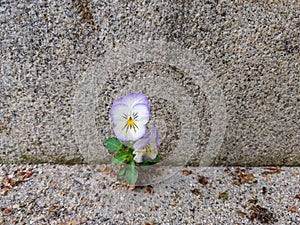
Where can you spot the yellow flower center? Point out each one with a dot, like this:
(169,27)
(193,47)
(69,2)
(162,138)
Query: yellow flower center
(130,122)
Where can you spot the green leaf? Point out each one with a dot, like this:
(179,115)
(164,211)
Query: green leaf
(120,158)
(131,174)
(121,172)
(130,150)
(113,144)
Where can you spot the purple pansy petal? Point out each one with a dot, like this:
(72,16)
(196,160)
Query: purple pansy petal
(118,130)
(141,143)
(140,155)
(147,147)
(133,99)
(154,141)
(143,113)
(151,155)
(130,135)
(138,158)
(117,112)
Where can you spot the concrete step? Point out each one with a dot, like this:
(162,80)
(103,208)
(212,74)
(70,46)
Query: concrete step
(222,79)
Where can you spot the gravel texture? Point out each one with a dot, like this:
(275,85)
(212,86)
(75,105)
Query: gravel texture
(80,194)
(222,78)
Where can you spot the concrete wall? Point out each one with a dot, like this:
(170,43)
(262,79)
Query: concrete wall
(222,78)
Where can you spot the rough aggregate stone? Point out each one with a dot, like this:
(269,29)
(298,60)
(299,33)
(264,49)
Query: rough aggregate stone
(62,64)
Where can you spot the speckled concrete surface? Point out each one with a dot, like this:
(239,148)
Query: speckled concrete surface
(222,78)
(71,195)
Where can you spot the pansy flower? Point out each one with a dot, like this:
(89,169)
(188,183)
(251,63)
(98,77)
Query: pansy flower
(129,116)
(147,147)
